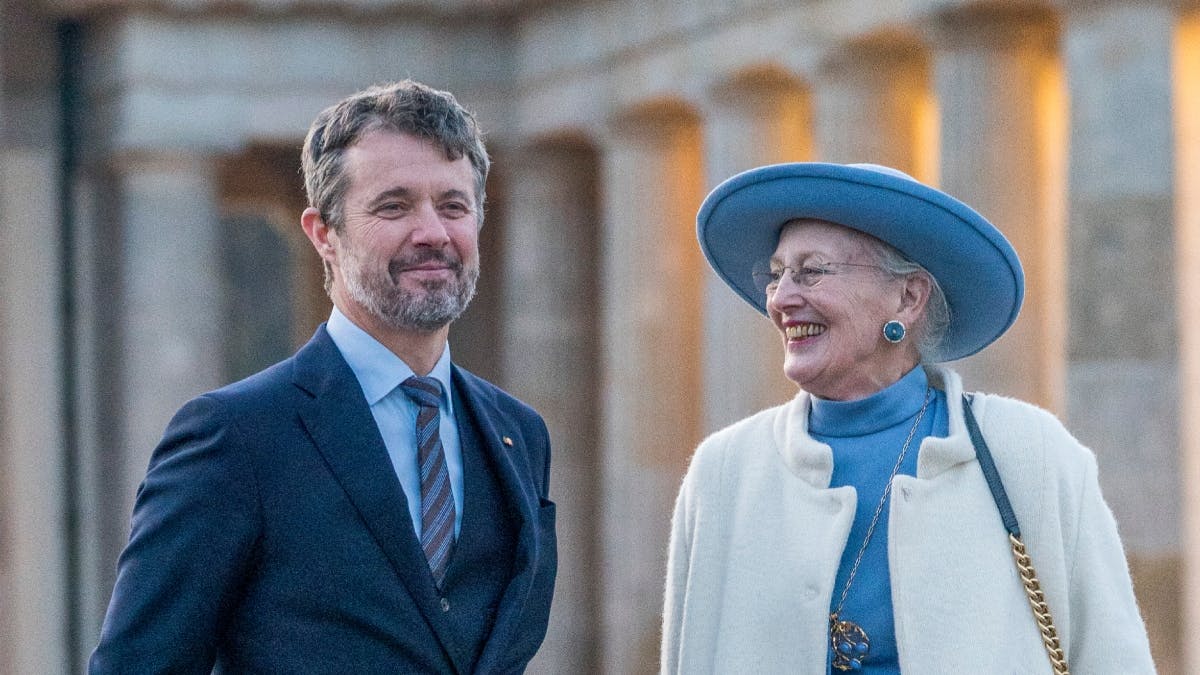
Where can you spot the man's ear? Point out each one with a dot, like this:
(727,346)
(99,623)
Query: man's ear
(319,233)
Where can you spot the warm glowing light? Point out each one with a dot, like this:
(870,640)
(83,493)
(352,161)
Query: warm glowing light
(1187,265)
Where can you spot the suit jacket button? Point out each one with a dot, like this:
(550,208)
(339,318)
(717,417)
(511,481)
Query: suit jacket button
(445,605)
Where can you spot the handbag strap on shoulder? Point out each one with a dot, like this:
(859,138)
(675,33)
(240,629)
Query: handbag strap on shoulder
(984,455)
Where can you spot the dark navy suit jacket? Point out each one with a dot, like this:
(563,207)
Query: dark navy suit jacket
(272,535)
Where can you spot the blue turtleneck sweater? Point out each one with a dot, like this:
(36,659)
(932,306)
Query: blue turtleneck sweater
(866,436)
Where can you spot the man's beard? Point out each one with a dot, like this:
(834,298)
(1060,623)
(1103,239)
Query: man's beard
(435,305)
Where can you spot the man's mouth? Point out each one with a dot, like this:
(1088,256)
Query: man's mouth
(800,331)
(436,263)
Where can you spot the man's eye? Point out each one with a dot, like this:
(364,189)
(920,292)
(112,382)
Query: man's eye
(390,208)
(456,208)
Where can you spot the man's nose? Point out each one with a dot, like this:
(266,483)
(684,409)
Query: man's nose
(428,228)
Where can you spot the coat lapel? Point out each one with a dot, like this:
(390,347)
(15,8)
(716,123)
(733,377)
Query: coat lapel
(344,431)
(498,431)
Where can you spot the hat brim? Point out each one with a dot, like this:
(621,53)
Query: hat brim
(739,223)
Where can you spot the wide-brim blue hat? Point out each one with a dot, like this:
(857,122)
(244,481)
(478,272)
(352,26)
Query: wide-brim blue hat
(977,268)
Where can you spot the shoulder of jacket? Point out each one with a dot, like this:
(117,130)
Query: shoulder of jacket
(261,388)
(753,432)
(999,412)
(760,423)
(1015,427)
(496,397)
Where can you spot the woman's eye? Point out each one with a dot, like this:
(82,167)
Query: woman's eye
(811,275)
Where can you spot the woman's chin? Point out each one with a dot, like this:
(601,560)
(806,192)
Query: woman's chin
(799,373)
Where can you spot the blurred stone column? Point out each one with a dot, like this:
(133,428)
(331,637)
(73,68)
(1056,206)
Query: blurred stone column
(169,315)
(1003,114)
(1122,358)
(34,567)
(760,118)
(875,104)
(552,353)
(653,278)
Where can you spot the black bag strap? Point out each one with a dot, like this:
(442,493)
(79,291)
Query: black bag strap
(989,471)
(1029,578)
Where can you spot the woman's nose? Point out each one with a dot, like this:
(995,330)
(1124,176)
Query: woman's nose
(787,293)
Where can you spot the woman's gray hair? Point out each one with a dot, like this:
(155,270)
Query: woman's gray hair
(932,329)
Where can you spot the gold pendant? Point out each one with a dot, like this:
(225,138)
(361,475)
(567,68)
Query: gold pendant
(849,642)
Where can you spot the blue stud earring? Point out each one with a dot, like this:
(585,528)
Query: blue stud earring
(894,331)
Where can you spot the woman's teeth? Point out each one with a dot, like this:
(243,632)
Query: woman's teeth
(803,330)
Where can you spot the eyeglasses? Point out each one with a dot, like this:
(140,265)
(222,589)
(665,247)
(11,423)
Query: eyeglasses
(768,275)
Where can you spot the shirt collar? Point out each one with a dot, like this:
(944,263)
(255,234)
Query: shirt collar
(378,370)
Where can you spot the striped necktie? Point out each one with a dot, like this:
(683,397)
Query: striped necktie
(437,501)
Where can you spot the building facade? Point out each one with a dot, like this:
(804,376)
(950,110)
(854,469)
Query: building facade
(149,179)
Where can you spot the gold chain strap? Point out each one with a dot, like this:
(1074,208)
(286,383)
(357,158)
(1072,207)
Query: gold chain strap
(1037,600)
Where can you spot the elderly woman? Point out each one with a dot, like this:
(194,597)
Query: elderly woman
(866,524)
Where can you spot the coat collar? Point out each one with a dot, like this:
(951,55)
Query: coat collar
(812,461)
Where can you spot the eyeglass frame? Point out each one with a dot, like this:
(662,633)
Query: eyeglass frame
(767,280)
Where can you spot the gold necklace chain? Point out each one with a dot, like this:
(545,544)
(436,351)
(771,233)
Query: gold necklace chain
(849,641)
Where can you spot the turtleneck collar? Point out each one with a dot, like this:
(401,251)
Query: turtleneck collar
(812,461)
(881,410)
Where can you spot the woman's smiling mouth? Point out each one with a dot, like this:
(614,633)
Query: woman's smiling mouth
(803,330)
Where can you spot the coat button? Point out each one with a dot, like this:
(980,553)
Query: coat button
(445,605)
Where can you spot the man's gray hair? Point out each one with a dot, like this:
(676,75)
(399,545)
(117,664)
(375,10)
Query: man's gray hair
(404,107)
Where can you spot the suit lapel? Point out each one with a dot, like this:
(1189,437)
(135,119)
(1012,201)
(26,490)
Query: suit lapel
(344,431)
(494,428)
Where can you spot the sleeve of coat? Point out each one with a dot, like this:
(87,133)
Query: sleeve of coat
(696,514)
(193,531)
(678,563)
(1107,634)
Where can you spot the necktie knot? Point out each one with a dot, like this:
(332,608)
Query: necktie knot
(424,391)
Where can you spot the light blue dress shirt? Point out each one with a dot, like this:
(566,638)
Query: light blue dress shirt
(380,373)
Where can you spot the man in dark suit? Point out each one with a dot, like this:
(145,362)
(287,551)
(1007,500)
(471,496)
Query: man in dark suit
(366,505)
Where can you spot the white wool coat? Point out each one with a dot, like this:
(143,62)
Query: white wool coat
(757,536)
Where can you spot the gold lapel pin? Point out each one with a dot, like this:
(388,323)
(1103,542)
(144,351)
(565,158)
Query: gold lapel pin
(507,441)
